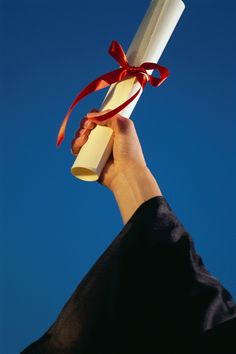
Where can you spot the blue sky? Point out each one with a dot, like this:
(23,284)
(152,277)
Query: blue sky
(54,226)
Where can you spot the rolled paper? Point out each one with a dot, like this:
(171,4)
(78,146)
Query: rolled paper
(105,80)
(148,44)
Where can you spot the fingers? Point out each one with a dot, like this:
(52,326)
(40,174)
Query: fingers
(78,142)
(82,134)
(81,137)
(86,124)
(118,123)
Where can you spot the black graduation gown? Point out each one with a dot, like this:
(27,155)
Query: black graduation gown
(148,293)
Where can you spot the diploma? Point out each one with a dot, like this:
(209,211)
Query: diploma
(148,44)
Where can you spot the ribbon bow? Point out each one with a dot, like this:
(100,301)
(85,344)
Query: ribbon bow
(117,75)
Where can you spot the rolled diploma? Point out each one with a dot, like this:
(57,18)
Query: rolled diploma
(147,46)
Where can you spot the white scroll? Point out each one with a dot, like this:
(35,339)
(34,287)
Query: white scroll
(148,44)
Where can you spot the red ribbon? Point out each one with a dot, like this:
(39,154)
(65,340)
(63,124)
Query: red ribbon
(140,72)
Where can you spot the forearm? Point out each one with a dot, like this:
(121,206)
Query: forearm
(132,188)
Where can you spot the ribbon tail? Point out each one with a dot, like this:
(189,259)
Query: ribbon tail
(62,129)
(98,84)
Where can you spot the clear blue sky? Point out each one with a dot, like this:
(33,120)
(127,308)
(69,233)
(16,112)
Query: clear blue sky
(54,226)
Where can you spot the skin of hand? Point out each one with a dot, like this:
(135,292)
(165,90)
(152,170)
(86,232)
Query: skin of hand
(125,173)
(127,152)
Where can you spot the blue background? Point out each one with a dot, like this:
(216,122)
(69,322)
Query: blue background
(55,226)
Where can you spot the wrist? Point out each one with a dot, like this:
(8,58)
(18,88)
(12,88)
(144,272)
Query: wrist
(134,176)
(132,187)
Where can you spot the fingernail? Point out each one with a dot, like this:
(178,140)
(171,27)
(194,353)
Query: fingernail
(95,114)
(92,114)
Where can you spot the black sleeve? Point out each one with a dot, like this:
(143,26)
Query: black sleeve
(148,293)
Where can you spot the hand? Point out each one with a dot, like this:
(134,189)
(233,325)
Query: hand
(127,152)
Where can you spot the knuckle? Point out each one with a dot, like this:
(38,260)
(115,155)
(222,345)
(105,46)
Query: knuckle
(130,122)
(124,124)
(72,150)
